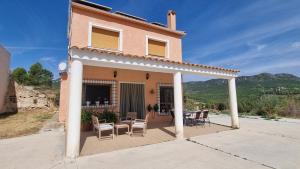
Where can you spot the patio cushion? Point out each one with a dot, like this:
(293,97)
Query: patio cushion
(138,125)
(104,127)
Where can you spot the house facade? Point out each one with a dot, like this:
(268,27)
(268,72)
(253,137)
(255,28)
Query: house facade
(123,63)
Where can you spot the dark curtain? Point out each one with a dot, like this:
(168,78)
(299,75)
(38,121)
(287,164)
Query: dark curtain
(132,99)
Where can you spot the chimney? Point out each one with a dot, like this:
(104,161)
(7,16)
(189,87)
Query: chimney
(171,19)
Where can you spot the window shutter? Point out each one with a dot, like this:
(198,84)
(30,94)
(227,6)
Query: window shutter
(156,48)
(106,39)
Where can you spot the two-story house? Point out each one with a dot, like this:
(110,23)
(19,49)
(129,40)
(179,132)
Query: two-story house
(124,63)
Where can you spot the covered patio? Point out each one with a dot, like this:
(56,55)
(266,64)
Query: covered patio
(80,143)
(157,132)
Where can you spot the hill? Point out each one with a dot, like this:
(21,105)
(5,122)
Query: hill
(216,90)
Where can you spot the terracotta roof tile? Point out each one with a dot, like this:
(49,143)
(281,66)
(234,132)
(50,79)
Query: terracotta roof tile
(153,59)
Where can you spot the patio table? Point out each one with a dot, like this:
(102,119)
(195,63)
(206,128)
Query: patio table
(129,122)
(121,126)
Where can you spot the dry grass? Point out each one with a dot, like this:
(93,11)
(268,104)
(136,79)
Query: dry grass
(23,123)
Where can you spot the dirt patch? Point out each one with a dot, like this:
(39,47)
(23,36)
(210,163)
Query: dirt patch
(23,123)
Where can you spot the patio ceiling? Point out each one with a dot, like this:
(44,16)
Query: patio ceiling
(103,58)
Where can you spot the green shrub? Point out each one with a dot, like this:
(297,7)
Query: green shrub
(109,116)
(86,116)
(268,106)
(221,106)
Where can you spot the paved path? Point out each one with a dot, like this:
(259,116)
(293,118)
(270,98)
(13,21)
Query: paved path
(39,151)
(275,144)
(258,144)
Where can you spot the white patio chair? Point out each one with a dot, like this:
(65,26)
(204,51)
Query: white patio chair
(140,124)
(131,115)
(102,126)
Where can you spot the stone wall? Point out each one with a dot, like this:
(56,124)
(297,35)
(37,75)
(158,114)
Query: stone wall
(21,97)
(29,98)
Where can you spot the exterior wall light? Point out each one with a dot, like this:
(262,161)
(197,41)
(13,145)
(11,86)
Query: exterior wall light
(115,74)
(147,76)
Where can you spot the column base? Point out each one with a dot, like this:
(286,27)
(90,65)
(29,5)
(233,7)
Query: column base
(179,137)
(235,126)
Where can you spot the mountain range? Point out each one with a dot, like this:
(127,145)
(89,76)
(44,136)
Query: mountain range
(216,90)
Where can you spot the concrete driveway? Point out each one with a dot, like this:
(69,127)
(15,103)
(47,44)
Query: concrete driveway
(258,144)
(39,151)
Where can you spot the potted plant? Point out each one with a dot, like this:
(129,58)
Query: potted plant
(86,119)
(88,103)
(106,102)
(156,108)
(149,108)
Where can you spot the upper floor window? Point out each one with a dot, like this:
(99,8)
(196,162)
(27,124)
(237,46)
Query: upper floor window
(157,47)
(105,38)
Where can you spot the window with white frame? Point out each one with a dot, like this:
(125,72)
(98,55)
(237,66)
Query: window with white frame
(104,37)
(157,47)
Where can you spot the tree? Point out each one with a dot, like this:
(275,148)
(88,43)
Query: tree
(20,75)
(35,73)
(39,76)
(46,78)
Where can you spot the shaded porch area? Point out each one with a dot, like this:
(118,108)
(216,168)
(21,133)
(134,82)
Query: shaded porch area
(157,132)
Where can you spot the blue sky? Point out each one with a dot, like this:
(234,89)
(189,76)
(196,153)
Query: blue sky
(253,36)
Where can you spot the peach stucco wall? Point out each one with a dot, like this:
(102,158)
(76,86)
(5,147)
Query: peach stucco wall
(4,75)
(98,73)
(64,97)
(134,36)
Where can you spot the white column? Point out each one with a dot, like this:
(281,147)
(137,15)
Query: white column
(233,104)
(74,114)
(178,105)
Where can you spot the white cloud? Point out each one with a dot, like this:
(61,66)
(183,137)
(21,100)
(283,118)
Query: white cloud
(253,56)
(279,66)
(252,35)
(296,45)
(47,59)
(260,47)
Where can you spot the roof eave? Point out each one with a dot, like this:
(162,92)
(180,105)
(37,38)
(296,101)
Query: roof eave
(232,71)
